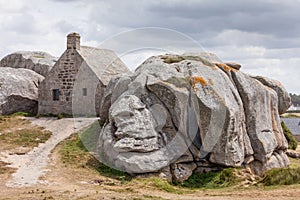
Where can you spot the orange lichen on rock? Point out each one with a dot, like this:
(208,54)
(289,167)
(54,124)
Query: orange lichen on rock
(225,67)
(198,79)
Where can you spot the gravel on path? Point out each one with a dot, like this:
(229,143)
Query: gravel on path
(32,165)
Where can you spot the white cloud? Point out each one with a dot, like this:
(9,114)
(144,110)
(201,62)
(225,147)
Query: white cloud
(12,6)
(284,70)
(264,36)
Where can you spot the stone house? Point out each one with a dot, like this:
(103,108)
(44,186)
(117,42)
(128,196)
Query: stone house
(76,82)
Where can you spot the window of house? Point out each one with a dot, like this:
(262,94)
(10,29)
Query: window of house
(84,92)
(55,94)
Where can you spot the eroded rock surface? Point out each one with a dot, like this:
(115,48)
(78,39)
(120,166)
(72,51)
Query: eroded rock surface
(192,113)
(40,62)
(18,90)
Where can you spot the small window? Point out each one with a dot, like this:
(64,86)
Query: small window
(84,92)
(55,94)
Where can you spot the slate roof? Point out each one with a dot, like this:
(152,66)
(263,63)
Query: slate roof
(104,63)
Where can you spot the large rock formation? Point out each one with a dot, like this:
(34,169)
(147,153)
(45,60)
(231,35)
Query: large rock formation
(177,114)
(18,90)
(40,62)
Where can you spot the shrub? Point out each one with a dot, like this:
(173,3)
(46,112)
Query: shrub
(289,136)
(23,114)
(73,152)
(219,179)
(282,176)
(60,116)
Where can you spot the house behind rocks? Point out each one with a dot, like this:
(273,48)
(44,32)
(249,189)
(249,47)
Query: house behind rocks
(179,114)
(77,80)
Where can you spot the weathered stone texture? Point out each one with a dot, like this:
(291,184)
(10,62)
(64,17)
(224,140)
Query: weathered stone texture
(80,75)
(40,62)
(191,113)
(18,90)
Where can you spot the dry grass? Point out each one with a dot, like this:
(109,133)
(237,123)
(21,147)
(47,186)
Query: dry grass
(16,132)
(4,169)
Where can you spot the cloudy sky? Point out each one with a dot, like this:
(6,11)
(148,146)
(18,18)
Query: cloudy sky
(262,35)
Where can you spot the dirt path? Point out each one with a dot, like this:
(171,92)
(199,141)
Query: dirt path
(31,165)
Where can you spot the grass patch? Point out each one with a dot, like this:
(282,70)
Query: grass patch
(282,176)
(292,142)
(294,163)
(26,137)
(9,123)
(90,135)
(157,183)
(23,114)
(73,152)
(221,179)
(165,186)
(18,132)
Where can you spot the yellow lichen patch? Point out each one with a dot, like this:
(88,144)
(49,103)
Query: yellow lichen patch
(225,67)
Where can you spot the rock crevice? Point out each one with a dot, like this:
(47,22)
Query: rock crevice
(177,112)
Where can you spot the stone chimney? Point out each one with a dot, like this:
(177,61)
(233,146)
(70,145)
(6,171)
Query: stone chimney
(73,41)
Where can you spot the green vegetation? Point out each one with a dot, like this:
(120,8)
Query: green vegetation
(289,136)
(60,116)
(73,152)
(90,135)
(165,186)
(224,178)
(24,114)
(294,163)
(17,131)
(293,111)
(282,176)
(210,180)
(26,137)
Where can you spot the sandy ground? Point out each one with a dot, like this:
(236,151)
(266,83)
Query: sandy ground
(31,165)
(42,175)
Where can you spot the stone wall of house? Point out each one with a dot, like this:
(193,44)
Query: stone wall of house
(62,77)
(87,104)
(72,75)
